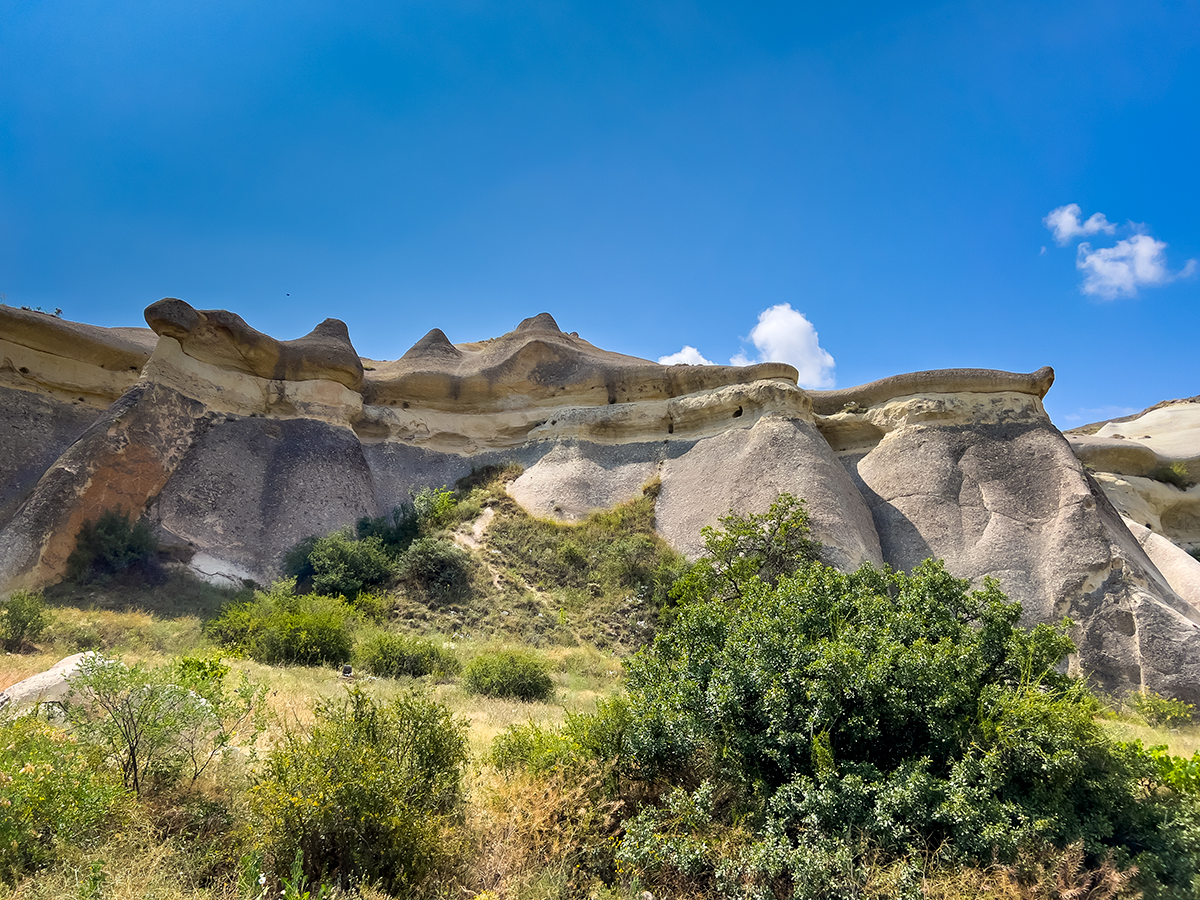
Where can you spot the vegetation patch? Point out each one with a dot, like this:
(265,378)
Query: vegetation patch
(514,674)
(280,626)
(391,655)
(23,617)
(366,793)
(111,546)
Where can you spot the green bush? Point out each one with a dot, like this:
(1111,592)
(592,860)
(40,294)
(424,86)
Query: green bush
(23,617)
(437,568)
(395,535)
(901,708)
(763,546)
(1175,474)
(365,793)
(510,674)
(435,509)
(391,655)
(280,626)
(585,738)
(112,545)
(160,724)
(53,791)
(338,565)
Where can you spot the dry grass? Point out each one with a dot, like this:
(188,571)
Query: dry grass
(533,837)
(1179,741)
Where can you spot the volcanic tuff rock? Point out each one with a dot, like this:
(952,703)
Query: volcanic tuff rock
(237,445)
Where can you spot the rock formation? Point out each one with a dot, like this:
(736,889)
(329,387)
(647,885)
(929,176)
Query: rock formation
(236,446)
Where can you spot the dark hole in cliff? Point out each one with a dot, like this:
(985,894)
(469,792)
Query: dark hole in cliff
(404,405)
(737,412)
(670,428)
(23,370)
(554,421)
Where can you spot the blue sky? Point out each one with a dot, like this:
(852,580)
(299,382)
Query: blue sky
(655,175)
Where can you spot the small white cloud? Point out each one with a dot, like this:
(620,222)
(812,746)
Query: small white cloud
(689,355)
(784,335)
(1097,414)
(1139,261)
(1064,223)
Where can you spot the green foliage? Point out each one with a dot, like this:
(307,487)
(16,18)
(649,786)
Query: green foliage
(53,791)
(364,793)
(765,546)
(395,535)
(159,724)
(338,565)
(1160,711)
(23,617)
(435,509)
(111,545)
(1179,773)
(582,740)
(508,673)
(1175,474)
(281,626)
(436,568)
(900,708)
(391,655)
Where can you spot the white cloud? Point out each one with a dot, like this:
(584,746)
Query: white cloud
(1064,223)
(1139,261)
(689,355)
(1097,414)
(784,335)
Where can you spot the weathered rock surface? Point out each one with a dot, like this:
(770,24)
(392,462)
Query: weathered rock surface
(237,445)
(1131,458)
(53,684)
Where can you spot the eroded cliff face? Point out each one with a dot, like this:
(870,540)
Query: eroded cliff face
(237,446)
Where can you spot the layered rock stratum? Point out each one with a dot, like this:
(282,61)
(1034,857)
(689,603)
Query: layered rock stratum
(237,445)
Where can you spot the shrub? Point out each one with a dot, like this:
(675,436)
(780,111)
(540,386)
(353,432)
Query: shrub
(582,741)
(1162,711)
(111,545)
(23,617)
(391,655)
(435,509)
(902,708)
(159,724)
(763,546)
(396,535)
(280,626)
(437,568)
(364,794)
(337,565)
(1175,474)
(510,674)
(53,791)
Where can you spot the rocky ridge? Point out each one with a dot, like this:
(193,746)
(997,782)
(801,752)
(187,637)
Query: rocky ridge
(237,445)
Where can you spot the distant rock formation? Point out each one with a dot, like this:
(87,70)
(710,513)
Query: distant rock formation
(236,446)
(1147,464)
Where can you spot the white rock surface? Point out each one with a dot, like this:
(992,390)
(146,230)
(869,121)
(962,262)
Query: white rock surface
(45,686)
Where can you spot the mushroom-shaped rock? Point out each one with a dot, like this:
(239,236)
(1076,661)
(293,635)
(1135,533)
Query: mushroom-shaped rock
(223,339)
(937,381)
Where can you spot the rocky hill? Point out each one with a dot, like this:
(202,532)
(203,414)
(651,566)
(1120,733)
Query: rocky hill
(237,445)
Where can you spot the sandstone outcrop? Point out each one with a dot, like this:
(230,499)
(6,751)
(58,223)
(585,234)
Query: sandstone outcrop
(237,446)
(1147,465)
